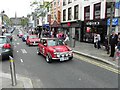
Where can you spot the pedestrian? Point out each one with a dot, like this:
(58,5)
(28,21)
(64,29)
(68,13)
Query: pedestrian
(117,53)
(106,45)
(113,42)
(66,39)
(95,40)
(98,42)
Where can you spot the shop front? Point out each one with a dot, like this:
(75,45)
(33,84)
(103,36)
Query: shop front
(94,26)
(55,26)
(72,29)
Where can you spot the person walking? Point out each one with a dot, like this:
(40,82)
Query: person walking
(98,42)
(117,53)
(113,42)
(66,39)
(95,40)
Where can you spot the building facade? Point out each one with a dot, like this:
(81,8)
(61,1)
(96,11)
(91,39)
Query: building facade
(71,18)
(83,18)
(56,7)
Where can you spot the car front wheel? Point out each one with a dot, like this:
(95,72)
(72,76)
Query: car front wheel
(48,59)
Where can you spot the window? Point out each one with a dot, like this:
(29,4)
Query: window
(76,9)
(108,9)
(97,11)
(87,13)
(64,2)
(64,15)
(69,13)
(69,1)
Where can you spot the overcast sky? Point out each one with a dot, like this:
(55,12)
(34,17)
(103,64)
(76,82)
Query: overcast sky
(21,7)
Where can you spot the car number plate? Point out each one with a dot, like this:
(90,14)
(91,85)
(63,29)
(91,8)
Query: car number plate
(63,58)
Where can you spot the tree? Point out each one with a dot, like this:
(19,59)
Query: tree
(24,22)
(40,11)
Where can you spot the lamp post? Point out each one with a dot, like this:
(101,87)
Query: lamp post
(2,14)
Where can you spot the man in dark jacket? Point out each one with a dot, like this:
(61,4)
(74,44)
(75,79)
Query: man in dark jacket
(113,43)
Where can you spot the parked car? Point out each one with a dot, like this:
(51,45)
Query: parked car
(8,35)
(32,40)
(54,49)
(6,47)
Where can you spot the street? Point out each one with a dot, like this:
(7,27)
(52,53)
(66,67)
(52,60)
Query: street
(68,74)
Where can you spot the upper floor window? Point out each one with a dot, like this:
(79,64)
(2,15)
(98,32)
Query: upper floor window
(69,1)
(64,15)
(64,2)
(87,13)
(97,11)
(76,9)
(108,9)
(69,13)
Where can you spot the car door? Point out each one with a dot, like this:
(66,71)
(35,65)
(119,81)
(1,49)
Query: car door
(44,49)
(40,45)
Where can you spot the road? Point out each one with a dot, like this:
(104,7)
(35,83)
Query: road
(70,74)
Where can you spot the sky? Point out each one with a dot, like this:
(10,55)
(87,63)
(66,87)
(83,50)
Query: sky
(21,7)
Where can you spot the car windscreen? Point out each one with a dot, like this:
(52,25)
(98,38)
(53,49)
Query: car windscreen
(55,42)
(2,40)
(32,36)
(7,34)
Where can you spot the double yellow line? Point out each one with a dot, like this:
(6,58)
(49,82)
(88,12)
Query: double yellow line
(105,66)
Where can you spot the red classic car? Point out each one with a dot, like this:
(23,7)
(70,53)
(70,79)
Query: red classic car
(54,49)
(32,40)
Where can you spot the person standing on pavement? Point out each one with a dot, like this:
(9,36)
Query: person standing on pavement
(113,42)
(98,42)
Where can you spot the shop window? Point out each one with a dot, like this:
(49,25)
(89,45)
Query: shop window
(97,11)
(87,13)
(76,9)
(64,15)
(69,13)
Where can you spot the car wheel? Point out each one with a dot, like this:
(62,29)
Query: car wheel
(48,59)
(38,51)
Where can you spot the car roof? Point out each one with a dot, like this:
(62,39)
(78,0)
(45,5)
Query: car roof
(2,36)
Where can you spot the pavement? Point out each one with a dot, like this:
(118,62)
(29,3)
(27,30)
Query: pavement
(22,82)
(88,50)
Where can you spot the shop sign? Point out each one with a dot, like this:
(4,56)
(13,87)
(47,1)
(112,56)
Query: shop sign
(93,23)
(114,21)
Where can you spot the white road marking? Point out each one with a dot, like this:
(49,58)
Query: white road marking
(23,51)
(18,43)
(21,60)
(17,51)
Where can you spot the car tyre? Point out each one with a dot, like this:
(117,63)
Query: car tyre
(48,59)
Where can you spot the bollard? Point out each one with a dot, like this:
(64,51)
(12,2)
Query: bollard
(12,69)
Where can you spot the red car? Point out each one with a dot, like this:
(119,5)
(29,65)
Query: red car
(32,40)
(54,49)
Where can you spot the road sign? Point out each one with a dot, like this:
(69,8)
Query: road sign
(114,21)
(117,5)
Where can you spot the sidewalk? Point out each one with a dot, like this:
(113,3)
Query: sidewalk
(22,82)
(88,50)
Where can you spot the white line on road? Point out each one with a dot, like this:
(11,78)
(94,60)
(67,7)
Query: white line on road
(21,60)
(23,51)
(17,51)
(18,43)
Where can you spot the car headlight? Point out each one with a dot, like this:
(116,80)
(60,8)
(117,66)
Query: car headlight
(6,50)
(58,55)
